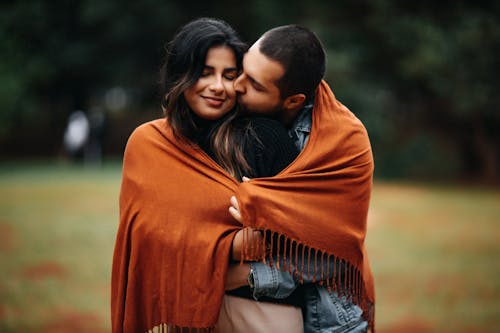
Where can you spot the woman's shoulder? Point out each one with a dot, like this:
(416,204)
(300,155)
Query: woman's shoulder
(149,127)
(146,130)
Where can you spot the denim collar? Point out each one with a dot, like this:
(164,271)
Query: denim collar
(301,128)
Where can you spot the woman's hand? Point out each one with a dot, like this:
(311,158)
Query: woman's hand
(234,209)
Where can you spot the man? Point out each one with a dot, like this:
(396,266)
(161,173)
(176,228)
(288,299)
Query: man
(281,73)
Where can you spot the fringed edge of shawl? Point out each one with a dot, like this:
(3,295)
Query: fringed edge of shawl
(347,282)
(171,328)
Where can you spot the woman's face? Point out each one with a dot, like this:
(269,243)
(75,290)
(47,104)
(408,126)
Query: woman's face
(213,95)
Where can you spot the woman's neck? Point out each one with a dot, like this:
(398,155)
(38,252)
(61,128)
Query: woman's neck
(202,129)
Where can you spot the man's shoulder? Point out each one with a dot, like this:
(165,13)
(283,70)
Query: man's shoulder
(262,122)
(269,133)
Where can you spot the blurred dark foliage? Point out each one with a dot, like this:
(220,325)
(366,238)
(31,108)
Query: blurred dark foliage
(422,75)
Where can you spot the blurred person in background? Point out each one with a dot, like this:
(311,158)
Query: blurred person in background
(76,135)
(84,136)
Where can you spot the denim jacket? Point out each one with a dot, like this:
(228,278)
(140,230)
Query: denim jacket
(324,311)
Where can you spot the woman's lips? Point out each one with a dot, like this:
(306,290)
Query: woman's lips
(214,102)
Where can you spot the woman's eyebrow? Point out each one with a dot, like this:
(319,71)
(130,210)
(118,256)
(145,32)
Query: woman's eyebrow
(225,69)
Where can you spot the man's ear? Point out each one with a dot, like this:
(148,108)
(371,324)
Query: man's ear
(294,101)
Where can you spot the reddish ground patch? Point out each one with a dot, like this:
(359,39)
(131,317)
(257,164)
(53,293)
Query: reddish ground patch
(410,325)
(7,237)
(43,270)
(74,322)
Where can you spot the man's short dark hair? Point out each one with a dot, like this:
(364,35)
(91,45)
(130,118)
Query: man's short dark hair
(301,54)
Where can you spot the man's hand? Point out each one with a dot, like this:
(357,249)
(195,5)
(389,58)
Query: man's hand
(252,238)
(237,276)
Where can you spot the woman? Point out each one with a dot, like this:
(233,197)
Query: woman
(175,234)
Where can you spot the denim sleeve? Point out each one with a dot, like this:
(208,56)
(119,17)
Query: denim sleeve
(275,283)
(329,312)
(271,281)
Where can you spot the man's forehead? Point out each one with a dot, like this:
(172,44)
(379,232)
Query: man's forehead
(260,67)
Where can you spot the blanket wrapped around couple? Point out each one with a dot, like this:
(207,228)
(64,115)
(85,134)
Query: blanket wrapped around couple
(175,233)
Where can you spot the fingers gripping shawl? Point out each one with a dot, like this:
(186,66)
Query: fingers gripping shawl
(174,237)
(318,205)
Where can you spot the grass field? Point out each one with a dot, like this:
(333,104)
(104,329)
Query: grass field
(434,252)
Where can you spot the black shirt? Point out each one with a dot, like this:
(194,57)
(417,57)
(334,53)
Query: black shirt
(268,149)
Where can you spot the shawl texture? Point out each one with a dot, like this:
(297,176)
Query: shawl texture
(174,239)
(318,205)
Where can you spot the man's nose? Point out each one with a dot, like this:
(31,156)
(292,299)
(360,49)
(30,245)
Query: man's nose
(239,87)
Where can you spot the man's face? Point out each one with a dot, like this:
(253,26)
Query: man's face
(256,86)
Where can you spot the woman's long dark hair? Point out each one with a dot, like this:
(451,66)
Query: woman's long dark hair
(228,141)
(183,66)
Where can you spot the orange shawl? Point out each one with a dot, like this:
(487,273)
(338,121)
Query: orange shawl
(318,205)
(174,238)
(175,233)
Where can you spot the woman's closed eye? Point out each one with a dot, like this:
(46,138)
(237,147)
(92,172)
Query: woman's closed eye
(207,71)
(230,74)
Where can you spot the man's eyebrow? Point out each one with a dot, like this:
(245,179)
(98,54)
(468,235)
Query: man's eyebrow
(255,82)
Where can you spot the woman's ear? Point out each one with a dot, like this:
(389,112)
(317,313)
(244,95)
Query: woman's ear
(294,102)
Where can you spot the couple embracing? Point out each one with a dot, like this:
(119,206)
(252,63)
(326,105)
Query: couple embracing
(244,209)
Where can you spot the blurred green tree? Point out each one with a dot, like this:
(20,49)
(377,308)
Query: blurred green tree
(58,56)
(421,72)
(420,75)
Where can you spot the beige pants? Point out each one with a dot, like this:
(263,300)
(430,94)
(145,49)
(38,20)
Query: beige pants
(241,315)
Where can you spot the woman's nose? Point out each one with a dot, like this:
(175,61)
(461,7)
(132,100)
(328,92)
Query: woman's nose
(216,85)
